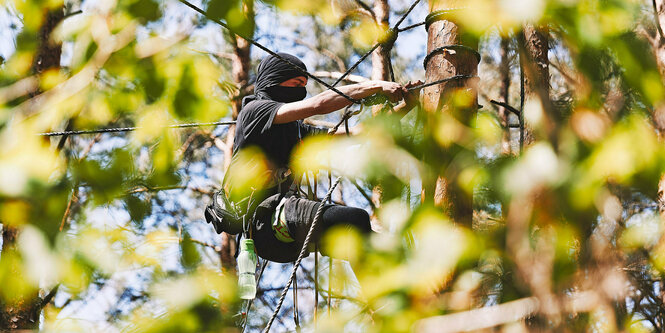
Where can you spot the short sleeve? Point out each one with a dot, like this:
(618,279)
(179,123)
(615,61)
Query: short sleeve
(257,116)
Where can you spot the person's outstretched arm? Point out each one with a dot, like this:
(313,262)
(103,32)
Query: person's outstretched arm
(329,101)
(411,99)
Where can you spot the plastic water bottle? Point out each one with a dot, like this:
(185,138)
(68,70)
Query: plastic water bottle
(246,270)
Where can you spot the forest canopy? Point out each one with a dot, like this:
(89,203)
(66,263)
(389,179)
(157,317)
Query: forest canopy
(525,192)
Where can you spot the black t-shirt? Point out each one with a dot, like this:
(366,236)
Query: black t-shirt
(255,127)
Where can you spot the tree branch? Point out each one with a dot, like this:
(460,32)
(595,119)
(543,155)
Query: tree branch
(340,63)
(217,249)
(362,192)
(48,298)
(564,73)
(73,199)
(336,75)
(367,8)
(655,13)
(507,106)
(492,316)
(19,88)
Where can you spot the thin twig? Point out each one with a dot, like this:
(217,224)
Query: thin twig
(411,26)
(68,15)
(72,200)
(655,13)
(217,249)
(325,52)
(188,142)
(336,75)
(507,106)
(362,192)
(49,297)
(564,73)
(367,8)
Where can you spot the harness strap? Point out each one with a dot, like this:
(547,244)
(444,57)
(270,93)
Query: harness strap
(279,226)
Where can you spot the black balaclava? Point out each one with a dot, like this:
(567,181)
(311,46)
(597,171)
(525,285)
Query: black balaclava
(271,72)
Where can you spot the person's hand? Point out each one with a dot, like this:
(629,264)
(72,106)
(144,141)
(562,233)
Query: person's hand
(394,91)
(411,97)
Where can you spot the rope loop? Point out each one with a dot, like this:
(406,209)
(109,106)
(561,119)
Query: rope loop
(454,47)
(440,15)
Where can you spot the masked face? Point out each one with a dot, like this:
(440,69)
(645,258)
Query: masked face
(279,80)
(286,94)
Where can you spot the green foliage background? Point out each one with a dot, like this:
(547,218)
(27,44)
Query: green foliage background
(578,208)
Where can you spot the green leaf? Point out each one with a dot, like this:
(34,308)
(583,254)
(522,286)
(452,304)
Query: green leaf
(153,84)
(190,257)
(187,100)
(218,9)
(137,208)
(145,10)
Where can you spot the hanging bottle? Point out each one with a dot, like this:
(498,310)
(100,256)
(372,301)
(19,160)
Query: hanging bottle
(246,270)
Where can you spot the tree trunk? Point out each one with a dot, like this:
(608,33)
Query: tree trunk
(380,71)
(537,72)
(657,41)
(447,63)
(535,64)
(240,66)
(504,89)
(48,53)
(381,56)
(23,313)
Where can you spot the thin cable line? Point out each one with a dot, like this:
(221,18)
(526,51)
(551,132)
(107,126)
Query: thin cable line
(409,27)
(129,129)
(271,52)
(394,30)
(406,14)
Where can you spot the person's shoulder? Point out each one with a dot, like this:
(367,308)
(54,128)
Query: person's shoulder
(259,109)
(260,103)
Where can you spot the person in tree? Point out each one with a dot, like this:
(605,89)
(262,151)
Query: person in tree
(272,121)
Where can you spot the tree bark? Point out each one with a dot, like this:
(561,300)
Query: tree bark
(504,89)
(657,41)
(240,67)
(537,72)
(380,71)
(446,191)
(48,53)
(381,56)
(535,64)
(23,313)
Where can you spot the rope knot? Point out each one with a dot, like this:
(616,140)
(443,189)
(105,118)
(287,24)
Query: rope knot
(389,39)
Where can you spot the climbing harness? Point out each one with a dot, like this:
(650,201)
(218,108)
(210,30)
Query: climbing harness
(279,227)
(222,214)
